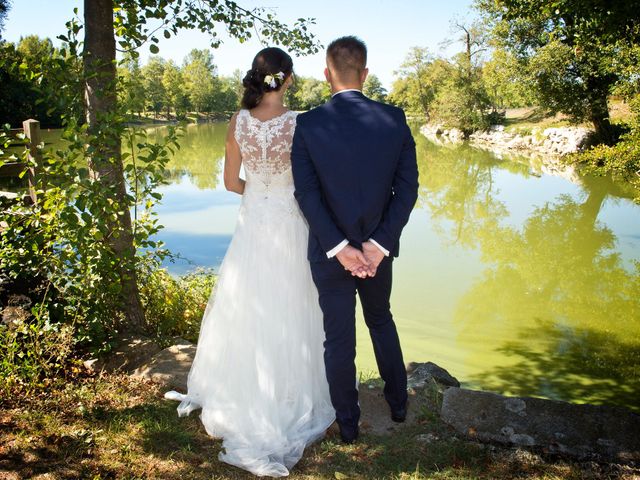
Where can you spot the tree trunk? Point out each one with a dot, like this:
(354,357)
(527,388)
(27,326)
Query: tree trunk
(599,112)
(106,163)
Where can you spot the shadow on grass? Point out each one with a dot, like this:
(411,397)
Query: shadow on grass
(128,431)
(160,432)
(396,456)
(532,115)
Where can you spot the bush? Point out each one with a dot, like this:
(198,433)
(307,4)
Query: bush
(496,118)
(620,161)
(175,306)
(34,351)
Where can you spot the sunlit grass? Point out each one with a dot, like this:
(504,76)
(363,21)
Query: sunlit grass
(114,426)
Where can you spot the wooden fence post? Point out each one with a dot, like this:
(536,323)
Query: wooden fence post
(32,132)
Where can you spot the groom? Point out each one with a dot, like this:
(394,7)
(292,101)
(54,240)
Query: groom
(356,181)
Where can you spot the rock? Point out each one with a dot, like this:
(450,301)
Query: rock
(130,352)
(456,135)
(518,142)
(557,141)
(17,311)
(580,431)
(430,129)
(170,367)
(568,139)
(421,373)
(93,364)
(426,438)
(14,316)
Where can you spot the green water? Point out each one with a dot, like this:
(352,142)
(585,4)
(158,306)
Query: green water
(514,280)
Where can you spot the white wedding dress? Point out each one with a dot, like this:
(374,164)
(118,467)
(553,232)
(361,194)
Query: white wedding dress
(258,372)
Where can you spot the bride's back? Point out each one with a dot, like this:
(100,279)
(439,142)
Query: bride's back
(266,149)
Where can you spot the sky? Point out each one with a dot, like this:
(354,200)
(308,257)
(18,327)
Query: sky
(389,28)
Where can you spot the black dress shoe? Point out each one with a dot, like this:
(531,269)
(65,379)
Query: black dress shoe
(349,435)
(399,415)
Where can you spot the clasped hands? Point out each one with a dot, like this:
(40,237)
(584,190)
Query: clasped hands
(361,263)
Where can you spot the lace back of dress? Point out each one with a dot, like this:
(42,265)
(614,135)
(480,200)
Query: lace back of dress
(265,145)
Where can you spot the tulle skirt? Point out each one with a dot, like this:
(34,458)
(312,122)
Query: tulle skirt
(258,373)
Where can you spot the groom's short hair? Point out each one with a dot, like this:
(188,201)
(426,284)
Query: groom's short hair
(347,55)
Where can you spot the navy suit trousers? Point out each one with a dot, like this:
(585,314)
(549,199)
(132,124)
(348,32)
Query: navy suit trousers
(337,290)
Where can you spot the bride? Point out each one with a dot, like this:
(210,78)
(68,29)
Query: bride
(258,374)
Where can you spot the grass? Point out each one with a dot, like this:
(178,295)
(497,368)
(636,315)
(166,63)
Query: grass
(524,120)
(116,427)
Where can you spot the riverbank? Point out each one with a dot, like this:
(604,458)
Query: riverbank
(557,147)
(548,142)
(116,426)
(146,119)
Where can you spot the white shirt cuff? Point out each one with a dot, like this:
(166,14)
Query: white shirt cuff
(335,250)
(382,249)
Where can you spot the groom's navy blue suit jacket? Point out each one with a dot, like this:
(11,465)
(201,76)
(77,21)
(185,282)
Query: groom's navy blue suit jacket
(355,173)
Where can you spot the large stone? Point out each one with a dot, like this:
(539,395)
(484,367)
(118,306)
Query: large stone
(568,139)
(581,431)
(456,135)
(170,367)
(430,129)
(130,352)
(421,373)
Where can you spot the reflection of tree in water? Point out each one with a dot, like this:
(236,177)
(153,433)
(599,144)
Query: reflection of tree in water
(556,295)
(561,290)
(456,184)
(200,155)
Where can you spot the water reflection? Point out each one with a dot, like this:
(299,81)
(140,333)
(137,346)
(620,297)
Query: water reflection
(456,185)
(555,312)
(512,279)
(201,148)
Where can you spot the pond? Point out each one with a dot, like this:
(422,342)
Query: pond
(514,280)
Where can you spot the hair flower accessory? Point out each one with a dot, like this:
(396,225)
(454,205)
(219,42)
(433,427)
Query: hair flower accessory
(271,79)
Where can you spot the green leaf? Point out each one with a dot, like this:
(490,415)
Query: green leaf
(154,48)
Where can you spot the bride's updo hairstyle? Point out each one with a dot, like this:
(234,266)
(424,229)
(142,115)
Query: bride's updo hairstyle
(270,68)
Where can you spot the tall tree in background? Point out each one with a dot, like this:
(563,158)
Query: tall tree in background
(373,88)
(173,83)
(311,92)
(4,8)
(413,90)
(237,77)
(574,50)
(152,74)
(128,19)
(506,81)
(35,50)
(461,100)
(224,98)
(132,91)
(475,40)
(198,72)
